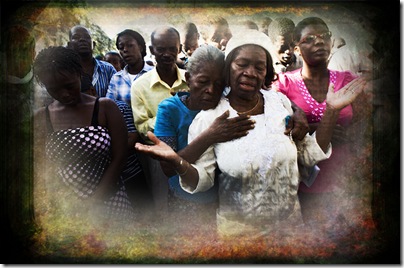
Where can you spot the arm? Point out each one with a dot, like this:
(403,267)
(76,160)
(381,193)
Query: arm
(335,102)
(143,122)
(112,88)
(339,135)
(221,130)
(119,138)
(162,152)
(298,126)
(133,135)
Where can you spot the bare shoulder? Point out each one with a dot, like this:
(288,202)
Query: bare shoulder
(108,107)
(107,102)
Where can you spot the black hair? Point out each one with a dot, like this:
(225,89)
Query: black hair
(135,35)
(249,24)
(56,59)
(78,26)
(280,26)
(190,29)
(222,29)
(297,33)
(113,53)
(270,77)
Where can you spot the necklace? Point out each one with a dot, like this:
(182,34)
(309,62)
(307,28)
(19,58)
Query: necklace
(255,106)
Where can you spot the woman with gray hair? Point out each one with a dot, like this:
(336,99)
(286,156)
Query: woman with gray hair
(259,172)
(204,76)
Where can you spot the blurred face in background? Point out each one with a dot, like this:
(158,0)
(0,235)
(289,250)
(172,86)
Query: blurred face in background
(115,60)
(284,49)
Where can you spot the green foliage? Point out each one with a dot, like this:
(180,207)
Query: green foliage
(103,42)
(52,29)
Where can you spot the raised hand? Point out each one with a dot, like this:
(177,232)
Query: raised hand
(346,95)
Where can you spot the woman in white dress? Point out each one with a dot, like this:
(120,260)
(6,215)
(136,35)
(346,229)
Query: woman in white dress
(259,172)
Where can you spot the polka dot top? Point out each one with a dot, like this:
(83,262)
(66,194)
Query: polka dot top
(80,156)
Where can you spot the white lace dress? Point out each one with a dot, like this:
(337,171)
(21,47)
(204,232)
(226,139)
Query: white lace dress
(259,180)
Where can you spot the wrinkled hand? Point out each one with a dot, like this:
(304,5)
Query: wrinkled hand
(298,125)
(225,129)
(159,151)
(346,95)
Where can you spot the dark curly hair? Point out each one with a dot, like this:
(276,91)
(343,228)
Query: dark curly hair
(56,59)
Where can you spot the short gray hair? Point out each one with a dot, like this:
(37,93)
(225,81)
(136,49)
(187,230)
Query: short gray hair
(204,53)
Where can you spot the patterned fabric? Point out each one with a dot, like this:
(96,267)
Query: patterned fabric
(292,85)
(119,86)
(103,72)
(259,180)
(318,109)
(80,157)
(133,166)
(127,113)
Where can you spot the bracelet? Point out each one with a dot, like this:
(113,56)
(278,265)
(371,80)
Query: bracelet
(186,170)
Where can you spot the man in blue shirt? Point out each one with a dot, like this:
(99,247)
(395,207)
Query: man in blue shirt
(100,71)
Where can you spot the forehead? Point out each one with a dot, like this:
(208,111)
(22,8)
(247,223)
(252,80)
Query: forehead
(246,50)
(59,78)
(210,68)
(126,38)
(166,37)
(314,29)
(112,56)
(80,31)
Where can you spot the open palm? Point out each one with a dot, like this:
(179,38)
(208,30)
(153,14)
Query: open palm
(346,95)
(160,150)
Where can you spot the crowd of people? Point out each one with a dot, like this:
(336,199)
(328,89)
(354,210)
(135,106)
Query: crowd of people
(227,131)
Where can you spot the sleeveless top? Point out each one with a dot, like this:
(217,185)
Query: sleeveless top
(80,157)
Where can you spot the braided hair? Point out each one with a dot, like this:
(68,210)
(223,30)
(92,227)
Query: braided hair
(55,59)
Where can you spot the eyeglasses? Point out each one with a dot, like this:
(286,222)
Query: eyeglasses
(311,37)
